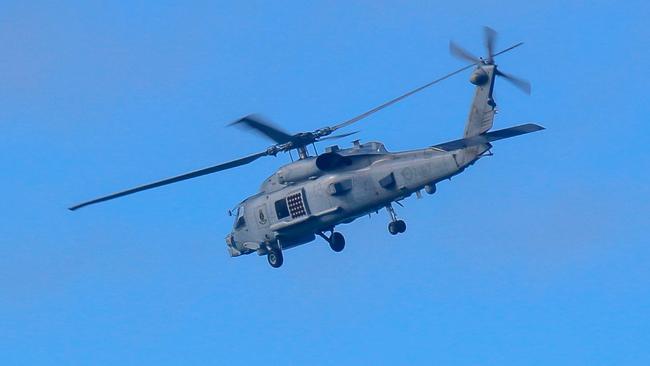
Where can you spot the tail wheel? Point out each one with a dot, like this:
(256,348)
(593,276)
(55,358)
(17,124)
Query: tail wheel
(275,258)
(337,242)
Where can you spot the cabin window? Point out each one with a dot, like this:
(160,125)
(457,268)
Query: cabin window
(281,209)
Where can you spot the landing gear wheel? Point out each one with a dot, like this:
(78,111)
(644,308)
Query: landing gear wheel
(275,258)
(396,227)
(401,226)
(337,242)
(392,228)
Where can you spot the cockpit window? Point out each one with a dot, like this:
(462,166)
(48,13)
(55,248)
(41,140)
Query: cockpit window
(240,220)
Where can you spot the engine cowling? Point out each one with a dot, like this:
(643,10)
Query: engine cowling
(298,170)
(330,161)
(311,167)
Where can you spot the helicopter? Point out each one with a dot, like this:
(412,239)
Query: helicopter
(313,195)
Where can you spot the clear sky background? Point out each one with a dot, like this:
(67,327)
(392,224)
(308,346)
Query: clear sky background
(536,256)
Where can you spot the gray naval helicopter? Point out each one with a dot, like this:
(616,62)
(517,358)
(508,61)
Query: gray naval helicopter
(314,194)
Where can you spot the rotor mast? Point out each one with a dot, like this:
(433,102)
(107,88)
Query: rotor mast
(303,153)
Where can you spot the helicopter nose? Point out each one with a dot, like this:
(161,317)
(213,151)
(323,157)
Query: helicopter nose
(230,240)
(231,245)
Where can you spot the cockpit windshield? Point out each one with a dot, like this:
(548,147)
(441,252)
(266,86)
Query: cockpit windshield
(240,220)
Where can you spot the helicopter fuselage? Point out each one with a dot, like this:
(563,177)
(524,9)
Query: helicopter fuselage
(311,196)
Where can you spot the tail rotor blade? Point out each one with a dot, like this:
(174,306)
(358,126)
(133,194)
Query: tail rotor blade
(490,39)
(461,53)
(522,84)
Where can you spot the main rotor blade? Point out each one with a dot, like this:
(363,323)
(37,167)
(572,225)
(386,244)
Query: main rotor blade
(507,49)
(257,123)
(338,136)
(462,53)
(490,40)
(522,84)
(408,94)
(395,100)
(194,174)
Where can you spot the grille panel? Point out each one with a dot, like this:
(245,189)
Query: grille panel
(296,205)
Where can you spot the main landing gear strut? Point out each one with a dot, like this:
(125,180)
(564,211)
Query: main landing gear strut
(395,226)
(336,240)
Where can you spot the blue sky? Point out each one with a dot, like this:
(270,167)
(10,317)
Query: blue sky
(535,256)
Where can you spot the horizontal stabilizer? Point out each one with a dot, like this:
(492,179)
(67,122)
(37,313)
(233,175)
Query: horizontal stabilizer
(489,137)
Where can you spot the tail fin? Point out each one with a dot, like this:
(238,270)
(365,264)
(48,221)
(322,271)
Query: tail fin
(481,114)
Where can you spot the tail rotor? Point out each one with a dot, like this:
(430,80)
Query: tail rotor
(489,41)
